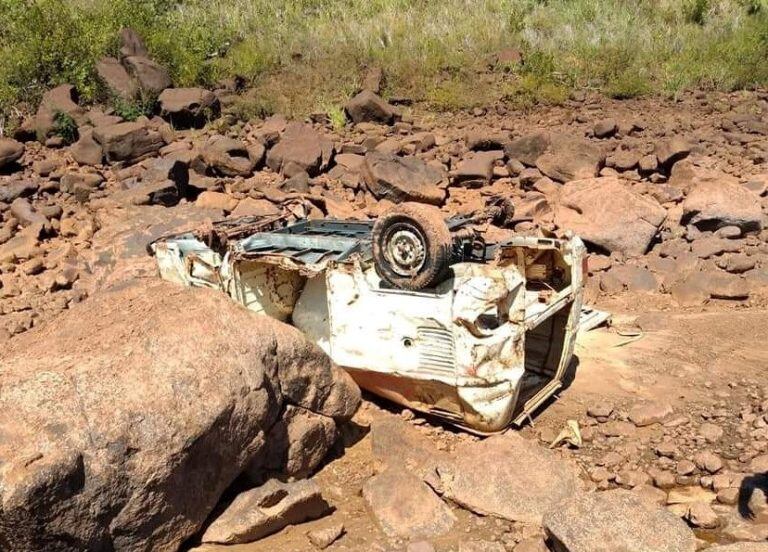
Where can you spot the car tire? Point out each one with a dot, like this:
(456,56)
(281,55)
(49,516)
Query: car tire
(412,246)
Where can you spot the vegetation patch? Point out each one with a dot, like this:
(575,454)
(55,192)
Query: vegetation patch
(310,53)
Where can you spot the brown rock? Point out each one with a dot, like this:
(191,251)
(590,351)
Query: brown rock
(711,205)
(300,148)
(405,507)
(485,140)
(116,78)
(394,442)
(475,171)
(624,160)
(702,515)
(528,148)
(188,107)
(324,537)
(255,207)
(24,245)
(229,157)
(62,99)
(401,179)
(128,141)
(216,200)
(648,163)
(180,416)
(569,159)
(708,461)
(151,76)
(507,491)
(606,213)
(615,520)
(86,151)
(10,151)
(669,152)
(299,441)
(23,211)
(605,128)
(260,512)
(650,413)
(368,106)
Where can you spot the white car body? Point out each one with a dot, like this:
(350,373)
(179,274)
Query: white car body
(483,349)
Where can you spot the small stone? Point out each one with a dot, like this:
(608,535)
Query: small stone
(600,410)
(685,467)
(648,163)
(650,413)
(729,496)
(605,128)
(618,429)
(664,479)
(702,515)
(708,462)
(420,546)
(711,432)
(323,538)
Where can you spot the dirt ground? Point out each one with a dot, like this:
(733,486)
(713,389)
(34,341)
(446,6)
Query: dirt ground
(696,359)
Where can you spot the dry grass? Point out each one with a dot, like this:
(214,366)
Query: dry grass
(304,55)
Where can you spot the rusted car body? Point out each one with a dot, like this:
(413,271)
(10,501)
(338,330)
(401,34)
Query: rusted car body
(482,349)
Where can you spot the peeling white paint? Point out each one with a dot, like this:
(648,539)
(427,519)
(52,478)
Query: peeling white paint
(484,348)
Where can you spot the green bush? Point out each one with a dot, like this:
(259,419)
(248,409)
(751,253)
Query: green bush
(130,110)
(65,127)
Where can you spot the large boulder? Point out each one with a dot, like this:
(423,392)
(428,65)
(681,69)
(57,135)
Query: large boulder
(86,151)
(608,214)
(369,106)
(509,490)
(152,77)
(126,420)
(300,148)
(615,520)
(128,141)
(10,151)
(188,107)
(401,179)
(60,100)
(527,149)
(570,159)
(116,78)
(230,157)
(713,204)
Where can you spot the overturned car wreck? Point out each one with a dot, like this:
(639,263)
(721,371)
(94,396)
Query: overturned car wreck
(418,309)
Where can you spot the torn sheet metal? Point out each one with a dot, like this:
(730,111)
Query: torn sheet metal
(592,318)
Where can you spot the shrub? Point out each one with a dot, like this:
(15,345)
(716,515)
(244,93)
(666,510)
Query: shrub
(65,127)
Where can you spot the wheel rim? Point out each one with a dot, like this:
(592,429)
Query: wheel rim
(405,250)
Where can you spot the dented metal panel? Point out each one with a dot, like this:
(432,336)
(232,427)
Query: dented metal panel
(485,347)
